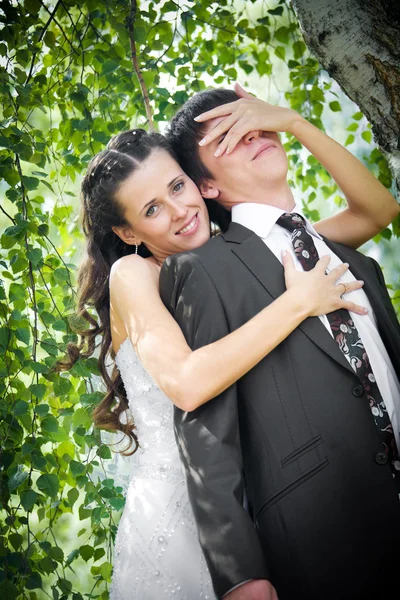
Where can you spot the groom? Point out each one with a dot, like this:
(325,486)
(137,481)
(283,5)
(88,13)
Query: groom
(295,436)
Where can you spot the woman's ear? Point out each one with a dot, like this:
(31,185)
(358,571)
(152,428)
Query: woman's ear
(208,189)
(126,234)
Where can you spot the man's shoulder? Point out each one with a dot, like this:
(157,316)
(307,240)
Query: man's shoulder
(213,250)
(348,252)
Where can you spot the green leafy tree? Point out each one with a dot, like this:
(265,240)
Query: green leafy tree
(72,74)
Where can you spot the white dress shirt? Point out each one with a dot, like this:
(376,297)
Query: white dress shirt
(261,218)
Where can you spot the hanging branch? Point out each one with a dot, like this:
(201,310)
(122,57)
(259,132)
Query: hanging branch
(52,17)
(130,22)
(7,215)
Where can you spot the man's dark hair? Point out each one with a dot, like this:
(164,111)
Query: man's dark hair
(184,134)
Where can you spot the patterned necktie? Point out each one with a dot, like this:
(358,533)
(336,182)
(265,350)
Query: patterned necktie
(349,341)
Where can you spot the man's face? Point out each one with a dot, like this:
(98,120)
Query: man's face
(257,163)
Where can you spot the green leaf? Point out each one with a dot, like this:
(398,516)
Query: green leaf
(42,410)
(4,338)
(59,325)
(62,386)
(109,66)
(49,424)
(72,556)
(56,553)
(106,570)
(38,390)
(299,48)
(21,408)
(76,468)
(61,275)
(117,503)
(86,552)
(282,35)
(335,106)
(8,590)
(48,484)
(35,256)
(15,540)
(50,346)
(28,499)
(104,452)
(19,477)
(39,367)
(72,496)
(280,52)
(34,581)
(32,6)
(14,231)
(47,565)
(23,335)
(367,136)
(82,417)
(98,553)
(17,292)
(276,11)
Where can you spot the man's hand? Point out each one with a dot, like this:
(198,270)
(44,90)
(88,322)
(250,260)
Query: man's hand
(244,115)
(256,589)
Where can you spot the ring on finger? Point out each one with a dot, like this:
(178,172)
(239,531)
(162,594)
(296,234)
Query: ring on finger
(345,288)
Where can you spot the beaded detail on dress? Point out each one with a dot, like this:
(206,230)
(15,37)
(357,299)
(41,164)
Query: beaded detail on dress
(157,552)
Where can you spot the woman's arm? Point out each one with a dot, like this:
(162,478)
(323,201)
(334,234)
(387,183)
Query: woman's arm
(370,206)
(191,378)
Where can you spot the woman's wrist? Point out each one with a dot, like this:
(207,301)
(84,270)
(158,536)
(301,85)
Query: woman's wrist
(297,304)
(297,125)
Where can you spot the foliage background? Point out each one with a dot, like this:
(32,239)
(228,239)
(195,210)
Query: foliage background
(68,82)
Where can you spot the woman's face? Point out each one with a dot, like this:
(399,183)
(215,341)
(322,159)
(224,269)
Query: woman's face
(163,208)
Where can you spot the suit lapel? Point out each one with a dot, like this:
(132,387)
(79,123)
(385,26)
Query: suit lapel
(264,265)
(362,268)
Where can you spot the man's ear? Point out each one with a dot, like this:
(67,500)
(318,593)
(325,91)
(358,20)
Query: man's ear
(126,234)
(208,189)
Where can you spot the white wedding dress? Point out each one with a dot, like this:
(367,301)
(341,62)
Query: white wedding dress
(157,552)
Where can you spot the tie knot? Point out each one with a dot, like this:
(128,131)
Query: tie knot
(291,221)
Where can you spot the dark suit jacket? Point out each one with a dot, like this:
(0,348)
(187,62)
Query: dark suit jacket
(296,432)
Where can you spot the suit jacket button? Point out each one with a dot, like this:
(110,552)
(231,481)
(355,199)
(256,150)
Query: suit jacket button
(381,457)
(358,390)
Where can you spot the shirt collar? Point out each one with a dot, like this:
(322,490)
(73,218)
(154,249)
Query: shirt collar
(261,218)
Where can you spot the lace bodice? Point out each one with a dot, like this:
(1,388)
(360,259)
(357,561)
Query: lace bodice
(157,456)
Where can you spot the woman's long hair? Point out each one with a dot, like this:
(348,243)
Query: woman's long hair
(100,212)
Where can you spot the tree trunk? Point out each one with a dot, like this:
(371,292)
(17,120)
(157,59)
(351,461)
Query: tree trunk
(358,43)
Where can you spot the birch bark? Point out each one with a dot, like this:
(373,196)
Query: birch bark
(358,43)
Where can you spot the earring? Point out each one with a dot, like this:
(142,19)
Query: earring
(136,249)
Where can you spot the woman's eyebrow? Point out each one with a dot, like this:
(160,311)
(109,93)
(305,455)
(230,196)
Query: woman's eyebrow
(154,199)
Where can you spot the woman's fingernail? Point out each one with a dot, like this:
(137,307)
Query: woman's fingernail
(227,150)
(361,281)
(346,264)
(365,310)
(217,152)
(202,142)
(284,252)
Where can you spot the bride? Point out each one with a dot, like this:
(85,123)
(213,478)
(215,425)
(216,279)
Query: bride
(139,207)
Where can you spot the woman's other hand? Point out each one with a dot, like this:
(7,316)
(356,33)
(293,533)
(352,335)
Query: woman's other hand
(319,293)
(245,115)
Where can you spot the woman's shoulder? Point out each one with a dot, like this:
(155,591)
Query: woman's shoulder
(132,264)
(133,273)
